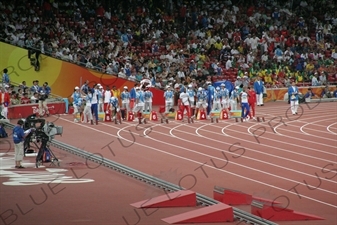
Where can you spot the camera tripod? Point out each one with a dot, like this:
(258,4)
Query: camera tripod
(39,158)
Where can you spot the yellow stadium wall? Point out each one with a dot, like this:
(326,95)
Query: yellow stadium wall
(61,76)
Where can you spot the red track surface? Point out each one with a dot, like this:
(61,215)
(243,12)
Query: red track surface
(298,155)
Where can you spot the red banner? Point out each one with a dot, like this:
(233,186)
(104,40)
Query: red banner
(25,110)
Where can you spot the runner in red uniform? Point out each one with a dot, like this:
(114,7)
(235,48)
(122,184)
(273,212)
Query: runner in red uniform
(252,102)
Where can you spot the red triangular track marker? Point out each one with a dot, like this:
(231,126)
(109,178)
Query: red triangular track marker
(277,213)
(218,213)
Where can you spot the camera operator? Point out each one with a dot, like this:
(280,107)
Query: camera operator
(44,93)
(18,139)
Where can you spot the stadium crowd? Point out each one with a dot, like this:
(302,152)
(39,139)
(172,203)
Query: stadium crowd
(177,42)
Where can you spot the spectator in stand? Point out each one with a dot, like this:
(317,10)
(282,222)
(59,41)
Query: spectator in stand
(35,87)
(5,78)
(314,81)
(34,98)
(25,99)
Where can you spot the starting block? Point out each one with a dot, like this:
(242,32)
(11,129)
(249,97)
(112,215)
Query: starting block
(223,115)
(179,115)
(146,115)
(190,120)
(153,116)
(107,117)
(201,115)
(235,113)
(260,119)
(131,117)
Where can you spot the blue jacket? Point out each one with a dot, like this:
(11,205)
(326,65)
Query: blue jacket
(18,135)
(293,93)
(133,93)
(258,87)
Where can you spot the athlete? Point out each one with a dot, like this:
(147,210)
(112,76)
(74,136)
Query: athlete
(4,102)
(244,104)
(107,94)
(184,97)
(252,102)
(115,110)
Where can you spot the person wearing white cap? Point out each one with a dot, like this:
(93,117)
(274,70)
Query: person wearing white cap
(224,95)
(234,98)
(77,102)
(139,103)
(201,101)
(148,99)
(168,95)
(114,108)
(125,97)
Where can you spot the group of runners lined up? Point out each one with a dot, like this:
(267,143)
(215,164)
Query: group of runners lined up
(191,100)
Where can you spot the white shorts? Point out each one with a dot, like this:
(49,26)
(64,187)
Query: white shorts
(138,108)
(168,106)
(225,103)
(202,104)
(76,110)
(117,109)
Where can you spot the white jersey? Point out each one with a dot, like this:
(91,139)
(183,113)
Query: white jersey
(184,98)
(244,97)
(107,95)
(94,97)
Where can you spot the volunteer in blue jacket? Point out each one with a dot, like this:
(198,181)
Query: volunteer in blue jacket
(258,88)
(210,96)
(18,139)
(293,95)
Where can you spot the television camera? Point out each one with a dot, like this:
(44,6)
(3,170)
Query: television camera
(42,133)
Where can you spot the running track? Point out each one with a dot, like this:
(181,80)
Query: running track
(293,161)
